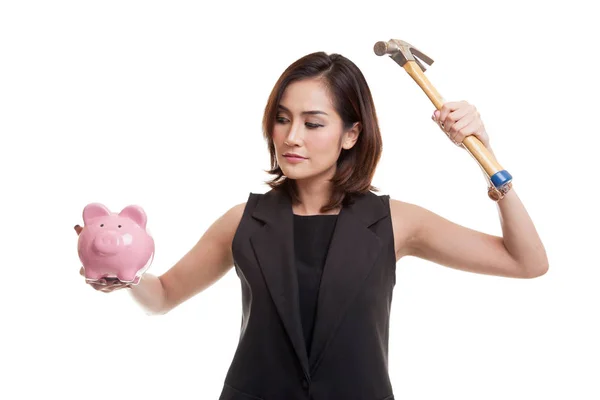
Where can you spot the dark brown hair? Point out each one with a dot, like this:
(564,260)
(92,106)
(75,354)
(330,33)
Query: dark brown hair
(352,100)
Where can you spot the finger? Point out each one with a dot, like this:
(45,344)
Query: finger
(446,109)
(468,130)
(78,229)
(454,117)
(459,125)
(102,288)
(81,271)
(97,286)
(123,285)
(98,283)
(436,118)
(112,288)
(114,282)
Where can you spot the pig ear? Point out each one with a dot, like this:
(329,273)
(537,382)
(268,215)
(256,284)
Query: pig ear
(136,214)
(94,210)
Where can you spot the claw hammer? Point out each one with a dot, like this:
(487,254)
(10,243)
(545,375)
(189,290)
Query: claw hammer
(404,54)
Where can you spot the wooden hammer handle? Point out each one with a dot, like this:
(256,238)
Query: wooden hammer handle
(498,176)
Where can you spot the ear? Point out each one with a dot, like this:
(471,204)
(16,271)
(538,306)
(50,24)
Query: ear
(136,214)
(351,136)
(94,210)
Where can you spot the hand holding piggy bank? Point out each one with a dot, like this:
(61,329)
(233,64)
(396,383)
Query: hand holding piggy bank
(112,245)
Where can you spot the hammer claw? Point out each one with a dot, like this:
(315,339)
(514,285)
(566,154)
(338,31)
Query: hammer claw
(420,65)
(422,56)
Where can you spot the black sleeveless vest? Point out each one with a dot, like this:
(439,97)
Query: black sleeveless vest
(349,349)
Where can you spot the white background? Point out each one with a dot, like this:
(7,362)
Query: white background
(160,104)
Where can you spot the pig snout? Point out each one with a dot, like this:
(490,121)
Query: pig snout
(108,243)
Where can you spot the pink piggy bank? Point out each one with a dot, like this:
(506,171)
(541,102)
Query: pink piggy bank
(115,245)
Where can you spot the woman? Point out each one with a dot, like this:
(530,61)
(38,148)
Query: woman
(316,254)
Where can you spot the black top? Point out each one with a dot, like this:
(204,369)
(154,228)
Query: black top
(312,235)
(349,344)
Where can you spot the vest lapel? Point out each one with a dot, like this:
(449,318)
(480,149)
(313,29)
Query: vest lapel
(274,248)
(352,253)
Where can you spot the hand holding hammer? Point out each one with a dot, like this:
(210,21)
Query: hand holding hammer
(459,120)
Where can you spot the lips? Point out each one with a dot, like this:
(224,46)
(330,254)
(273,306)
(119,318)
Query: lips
(292,155)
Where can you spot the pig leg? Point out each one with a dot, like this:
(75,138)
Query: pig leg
(127,275)
(92,275)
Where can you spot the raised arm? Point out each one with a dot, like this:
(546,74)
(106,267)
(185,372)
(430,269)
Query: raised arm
(424,234)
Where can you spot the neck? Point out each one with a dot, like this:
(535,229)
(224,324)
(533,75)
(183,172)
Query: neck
(313,194)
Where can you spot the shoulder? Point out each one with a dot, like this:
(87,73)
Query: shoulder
(400,208)
(232,218)
(224,227)
(235,213)
(413,216)
(404,213)
(417,227)
(405,222)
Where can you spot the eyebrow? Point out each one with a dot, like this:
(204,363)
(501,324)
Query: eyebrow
(311,112)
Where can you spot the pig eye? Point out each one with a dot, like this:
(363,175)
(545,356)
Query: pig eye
(119,226)
(101,225)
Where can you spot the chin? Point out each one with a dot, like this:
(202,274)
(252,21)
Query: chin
(295,175)
(302,174)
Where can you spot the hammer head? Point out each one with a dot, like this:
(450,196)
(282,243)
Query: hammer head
(401,52)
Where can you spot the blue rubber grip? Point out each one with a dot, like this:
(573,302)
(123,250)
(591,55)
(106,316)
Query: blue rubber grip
(501,178)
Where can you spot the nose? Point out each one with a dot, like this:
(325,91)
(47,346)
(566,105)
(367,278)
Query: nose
(294,136)
(108,243)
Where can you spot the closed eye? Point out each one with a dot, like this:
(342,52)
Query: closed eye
(309,125)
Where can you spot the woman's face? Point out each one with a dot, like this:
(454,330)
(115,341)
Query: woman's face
(307,125)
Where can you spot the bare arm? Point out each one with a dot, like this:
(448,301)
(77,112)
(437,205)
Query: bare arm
(208,261)
(424,234)
(518,253)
